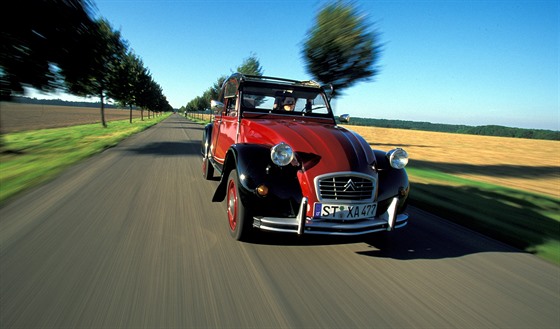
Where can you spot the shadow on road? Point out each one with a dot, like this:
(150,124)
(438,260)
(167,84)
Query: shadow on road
(287,239)
(183,127)
(405,244)
(413,243)
(190,148)
(192,128)
(423,238)
(180,123)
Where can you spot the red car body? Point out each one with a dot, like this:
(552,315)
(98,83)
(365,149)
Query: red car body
(285,165)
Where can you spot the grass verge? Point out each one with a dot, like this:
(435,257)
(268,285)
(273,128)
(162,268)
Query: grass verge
(524,220)
(195,119)
(32,157)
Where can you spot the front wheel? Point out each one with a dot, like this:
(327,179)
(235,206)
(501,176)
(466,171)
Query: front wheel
(239,219)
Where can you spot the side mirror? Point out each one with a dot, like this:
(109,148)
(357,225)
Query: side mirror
(216,106)
(329,91)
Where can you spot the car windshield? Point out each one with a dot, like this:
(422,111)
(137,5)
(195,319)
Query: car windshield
(285,100)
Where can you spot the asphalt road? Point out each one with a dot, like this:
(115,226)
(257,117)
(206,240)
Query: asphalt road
(130,239)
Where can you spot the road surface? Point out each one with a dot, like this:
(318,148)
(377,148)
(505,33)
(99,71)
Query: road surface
(130,239)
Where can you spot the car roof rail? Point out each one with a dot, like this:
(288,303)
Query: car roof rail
(275,79)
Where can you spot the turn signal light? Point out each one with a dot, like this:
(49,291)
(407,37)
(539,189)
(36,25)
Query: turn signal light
(262,190)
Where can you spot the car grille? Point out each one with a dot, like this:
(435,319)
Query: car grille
(346,187)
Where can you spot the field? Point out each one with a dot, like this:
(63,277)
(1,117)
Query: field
(523,164)
(21,117)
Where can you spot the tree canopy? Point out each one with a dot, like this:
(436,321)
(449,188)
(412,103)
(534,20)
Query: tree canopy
(250,66)
(341,49)
(40,35)
(55,45)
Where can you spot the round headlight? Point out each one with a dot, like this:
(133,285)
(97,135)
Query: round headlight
(281,154)
(398,158)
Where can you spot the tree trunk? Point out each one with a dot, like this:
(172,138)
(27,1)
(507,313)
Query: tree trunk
(130,113)
(103,111)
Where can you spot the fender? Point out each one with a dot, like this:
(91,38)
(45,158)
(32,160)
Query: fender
(235,160)
(392,182)
(254,166)
(206,139)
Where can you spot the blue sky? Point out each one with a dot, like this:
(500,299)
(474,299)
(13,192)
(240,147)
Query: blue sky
(460,62)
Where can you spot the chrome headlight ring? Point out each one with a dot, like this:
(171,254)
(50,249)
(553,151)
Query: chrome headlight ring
(398,158)
(281,154)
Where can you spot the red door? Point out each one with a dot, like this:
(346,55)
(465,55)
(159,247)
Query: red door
(224,133)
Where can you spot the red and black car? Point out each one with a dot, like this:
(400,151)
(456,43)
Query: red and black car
(285,164)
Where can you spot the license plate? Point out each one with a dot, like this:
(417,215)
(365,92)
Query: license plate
(344,212)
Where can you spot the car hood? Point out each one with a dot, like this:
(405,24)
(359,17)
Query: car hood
(323,148)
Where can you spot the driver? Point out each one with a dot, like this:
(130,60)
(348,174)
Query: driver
(288,104)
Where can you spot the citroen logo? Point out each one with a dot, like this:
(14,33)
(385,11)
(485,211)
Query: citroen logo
(349,186)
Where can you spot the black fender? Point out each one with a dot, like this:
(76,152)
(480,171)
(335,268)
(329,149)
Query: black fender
(254,167)
(392,182)
(206,140)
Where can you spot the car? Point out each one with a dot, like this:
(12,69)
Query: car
(344,118)
(285,165)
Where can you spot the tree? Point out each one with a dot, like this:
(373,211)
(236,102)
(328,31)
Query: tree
(144,91)
(149,95)
(124,84)
(38,38)
(341,49)
(250,66)
(91,72)
(198,104)
(213,92)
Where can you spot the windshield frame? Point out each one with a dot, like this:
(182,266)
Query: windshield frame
(289,90)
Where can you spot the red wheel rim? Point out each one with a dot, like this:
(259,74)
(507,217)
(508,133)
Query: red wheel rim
(232,205)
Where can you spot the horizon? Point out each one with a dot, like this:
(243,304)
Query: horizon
(459,62)
(336,116)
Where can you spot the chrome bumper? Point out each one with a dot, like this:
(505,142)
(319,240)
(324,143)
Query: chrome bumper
(303,224)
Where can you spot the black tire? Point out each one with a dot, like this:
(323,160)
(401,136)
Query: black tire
(239,219)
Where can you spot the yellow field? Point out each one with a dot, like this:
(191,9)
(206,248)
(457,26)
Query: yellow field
(525,164)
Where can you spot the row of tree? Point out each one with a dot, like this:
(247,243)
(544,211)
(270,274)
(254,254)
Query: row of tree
(487,130)
(341,49)
(56,45)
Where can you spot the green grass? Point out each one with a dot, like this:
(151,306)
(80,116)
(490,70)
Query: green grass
(524,220)
(32,157)
(198,119)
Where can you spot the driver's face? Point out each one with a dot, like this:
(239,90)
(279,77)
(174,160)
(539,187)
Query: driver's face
(289,104)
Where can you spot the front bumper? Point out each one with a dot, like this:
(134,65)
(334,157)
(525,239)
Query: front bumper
(301,224)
